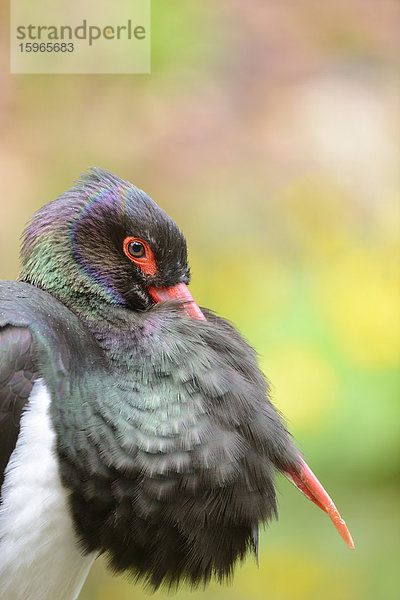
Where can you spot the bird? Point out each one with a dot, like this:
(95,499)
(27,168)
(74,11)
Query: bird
(133,423)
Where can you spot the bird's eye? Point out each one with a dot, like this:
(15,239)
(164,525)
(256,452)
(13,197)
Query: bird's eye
(136,250)
(140,253)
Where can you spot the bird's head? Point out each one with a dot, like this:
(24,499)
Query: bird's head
(105,241)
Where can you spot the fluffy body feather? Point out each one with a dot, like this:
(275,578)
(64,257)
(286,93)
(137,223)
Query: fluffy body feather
(166,439)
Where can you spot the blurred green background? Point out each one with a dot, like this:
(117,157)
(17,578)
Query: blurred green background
(269,131)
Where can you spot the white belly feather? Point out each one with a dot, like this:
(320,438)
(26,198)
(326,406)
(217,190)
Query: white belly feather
(39,554)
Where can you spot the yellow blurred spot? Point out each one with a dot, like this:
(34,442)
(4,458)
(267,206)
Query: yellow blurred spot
(361,294)
(305,385)
(316,214)
(288,574)
(245,287)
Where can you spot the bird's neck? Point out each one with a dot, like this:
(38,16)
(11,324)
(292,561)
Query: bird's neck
(118,330)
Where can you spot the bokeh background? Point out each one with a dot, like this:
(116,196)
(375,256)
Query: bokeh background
(269,131)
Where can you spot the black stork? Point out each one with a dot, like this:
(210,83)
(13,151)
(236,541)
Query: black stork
(132,422)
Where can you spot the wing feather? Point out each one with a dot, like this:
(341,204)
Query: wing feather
(17,376)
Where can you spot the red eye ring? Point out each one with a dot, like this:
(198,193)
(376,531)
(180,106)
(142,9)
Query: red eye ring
(147,262)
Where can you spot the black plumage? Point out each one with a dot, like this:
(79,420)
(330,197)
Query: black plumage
(167,441)
(172,474)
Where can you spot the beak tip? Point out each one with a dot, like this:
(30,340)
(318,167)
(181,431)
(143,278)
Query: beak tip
(305,480)
(348,539)
(350,544)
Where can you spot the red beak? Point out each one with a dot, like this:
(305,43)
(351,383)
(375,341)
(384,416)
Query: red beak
(178,292)
(303,478)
